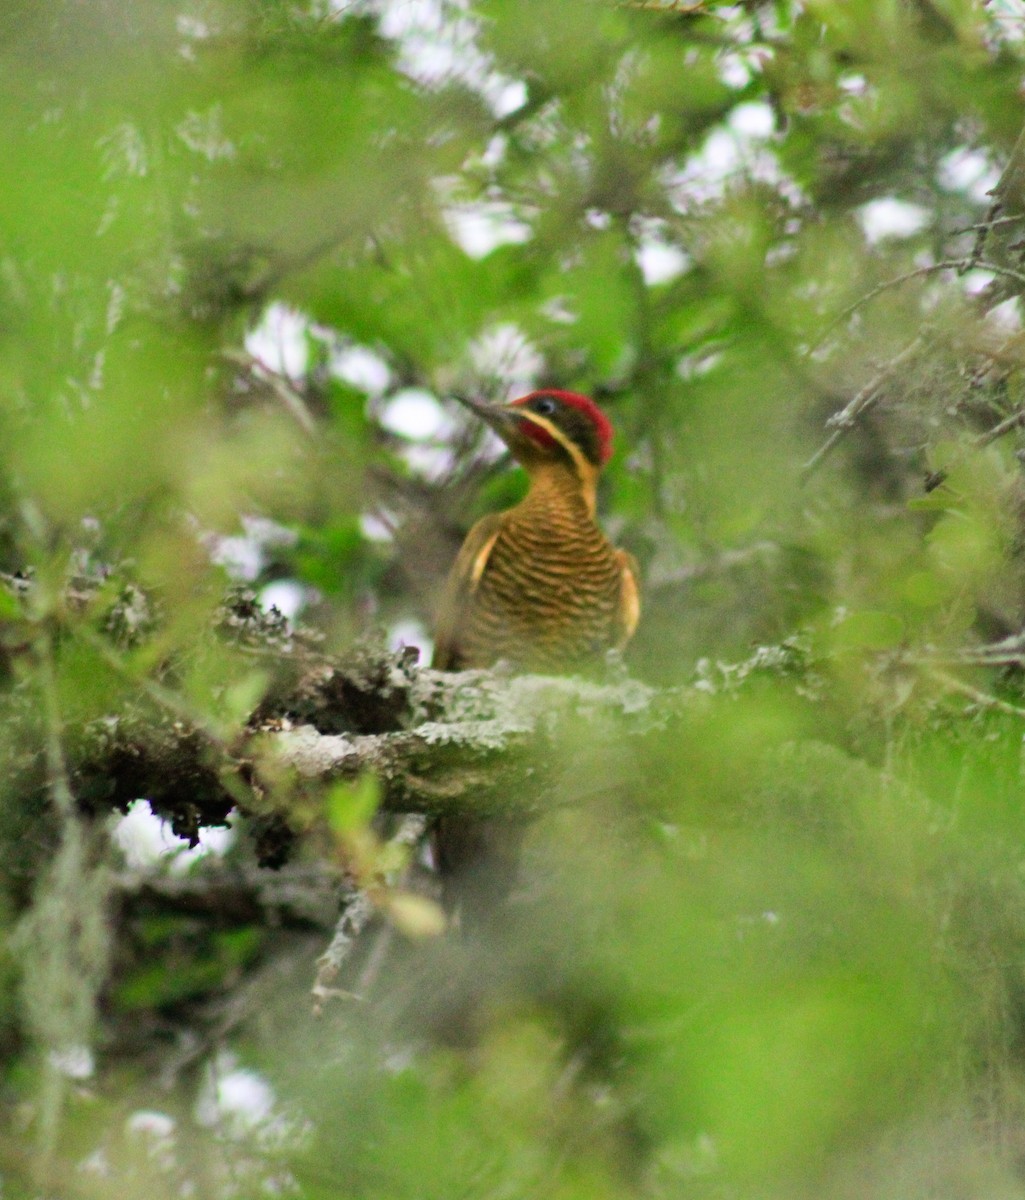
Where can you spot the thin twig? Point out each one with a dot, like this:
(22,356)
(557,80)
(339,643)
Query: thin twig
(1008,652)
(353,921)
(986,226)
(355,918)
(947,264)
(58,779)
(287,265)
(290,399)
(1015,420)
(669,6)
(981,233)
(866,398)
(983,699)
(998,355)
(1008,189)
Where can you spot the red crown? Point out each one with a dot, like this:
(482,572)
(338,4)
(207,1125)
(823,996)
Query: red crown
(602,425)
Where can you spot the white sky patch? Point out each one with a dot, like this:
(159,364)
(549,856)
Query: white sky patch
(438,42)
(735,70)
(482,226)
(241,557)
(412,633)
(279,341)
(660,260)
(430,462)
(738,148)
(969,171)
(974,282)
(1006,316)
(73,1062)
(150,1123)
(143,837)
(505,95)
(415,413)
(505,353)
(890,217)
(145,840)
(288,596)
(362,369)
(1009,17)
(754,120)
(376,528)
(214,840)
(706,172)
(233,1098)
(240,1103)
(244,555)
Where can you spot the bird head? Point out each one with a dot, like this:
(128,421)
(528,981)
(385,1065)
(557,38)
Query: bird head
(551,427)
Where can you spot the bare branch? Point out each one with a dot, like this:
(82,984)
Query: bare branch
(868,395)
(1008,652)
(960,265)
(475,741)
(845,420)
(1008,193)
(983,699)
(1014,421)
(282,388)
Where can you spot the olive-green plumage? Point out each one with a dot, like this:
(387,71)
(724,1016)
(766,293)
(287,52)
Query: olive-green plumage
(539,586)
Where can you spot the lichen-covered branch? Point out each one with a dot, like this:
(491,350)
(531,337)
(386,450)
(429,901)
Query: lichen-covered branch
(477,741)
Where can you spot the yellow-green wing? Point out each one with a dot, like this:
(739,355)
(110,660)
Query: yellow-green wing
(459,590)
(629,612)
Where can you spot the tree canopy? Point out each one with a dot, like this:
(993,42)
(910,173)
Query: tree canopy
(770,934)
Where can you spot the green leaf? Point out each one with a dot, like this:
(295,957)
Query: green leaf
(350,806)
(867,630)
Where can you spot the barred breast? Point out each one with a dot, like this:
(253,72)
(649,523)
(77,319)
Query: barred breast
(549,597)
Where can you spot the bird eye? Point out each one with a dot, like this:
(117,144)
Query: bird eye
(545,406)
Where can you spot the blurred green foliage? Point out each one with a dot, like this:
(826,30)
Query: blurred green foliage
(783,951)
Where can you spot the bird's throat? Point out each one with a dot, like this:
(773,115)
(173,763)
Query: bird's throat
(563,485)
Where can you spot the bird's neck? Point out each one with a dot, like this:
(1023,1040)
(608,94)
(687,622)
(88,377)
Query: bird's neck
(559,485)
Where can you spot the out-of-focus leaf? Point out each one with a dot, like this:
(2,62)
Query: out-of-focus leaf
(351,805)
(416,916)
(859,631)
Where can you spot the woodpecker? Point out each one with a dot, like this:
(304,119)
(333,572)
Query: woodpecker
(538,586)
